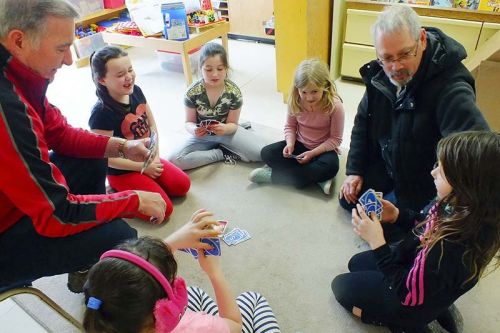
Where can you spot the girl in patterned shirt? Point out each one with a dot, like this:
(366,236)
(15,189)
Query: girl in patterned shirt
(213,106)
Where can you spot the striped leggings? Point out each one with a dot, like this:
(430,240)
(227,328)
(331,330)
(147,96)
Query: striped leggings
(257,315)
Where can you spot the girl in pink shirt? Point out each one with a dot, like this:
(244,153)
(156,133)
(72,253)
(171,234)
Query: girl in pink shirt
(135,289)
(313,133)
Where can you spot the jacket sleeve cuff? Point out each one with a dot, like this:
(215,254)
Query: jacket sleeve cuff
(382,252)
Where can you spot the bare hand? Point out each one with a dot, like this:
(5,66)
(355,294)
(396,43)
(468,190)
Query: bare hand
(155,169)
(288,150)
(390,212)
(200,131)
(218,129)
(305,157)
(136,150)
(152,204)
(209,264)
(368,228)
(350,188)
(188,236)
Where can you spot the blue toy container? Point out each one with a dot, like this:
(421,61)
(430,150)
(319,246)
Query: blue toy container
(175,21)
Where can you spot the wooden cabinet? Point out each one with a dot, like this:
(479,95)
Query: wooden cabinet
(469,28)
(247,18)
(303,30)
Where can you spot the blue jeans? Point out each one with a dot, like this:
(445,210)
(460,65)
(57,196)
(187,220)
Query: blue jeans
(26,256)
(196,152)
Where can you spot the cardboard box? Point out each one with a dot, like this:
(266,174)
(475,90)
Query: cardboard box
(484,65)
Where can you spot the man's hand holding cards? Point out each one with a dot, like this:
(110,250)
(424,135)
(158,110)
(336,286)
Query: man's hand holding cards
(370,200)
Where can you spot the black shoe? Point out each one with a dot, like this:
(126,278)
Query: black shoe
(229,156)
(76,280)
(451,320)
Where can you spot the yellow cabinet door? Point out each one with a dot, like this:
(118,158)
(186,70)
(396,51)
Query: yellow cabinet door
(353,57)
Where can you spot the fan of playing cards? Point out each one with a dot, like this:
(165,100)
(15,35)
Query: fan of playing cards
(233,237)
(370,200)
(152,151)
(207,124)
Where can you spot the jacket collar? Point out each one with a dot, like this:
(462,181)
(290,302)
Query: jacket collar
(27,82)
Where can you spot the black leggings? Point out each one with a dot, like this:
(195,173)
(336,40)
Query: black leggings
(364,287)
(288,171)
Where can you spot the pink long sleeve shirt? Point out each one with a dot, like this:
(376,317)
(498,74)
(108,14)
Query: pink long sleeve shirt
(317,129)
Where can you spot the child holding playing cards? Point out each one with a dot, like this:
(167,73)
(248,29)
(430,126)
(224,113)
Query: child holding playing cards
(446,252)
(313,133)
(122,111)
(135,289)
(213,106)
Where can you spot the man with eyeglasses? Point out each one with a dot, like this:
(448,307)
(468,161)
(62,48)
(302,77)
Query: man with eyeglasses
(417,91)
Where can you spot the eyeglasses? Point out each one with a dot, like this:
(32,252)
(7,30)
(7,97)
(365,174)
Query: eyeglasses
(402,59)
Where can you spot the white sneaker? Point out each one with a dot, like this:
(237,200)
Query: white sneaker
(261,175)
(326,186)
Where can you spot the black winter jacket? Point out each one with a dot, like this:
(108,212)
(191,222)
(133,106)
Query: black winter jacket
(402,133)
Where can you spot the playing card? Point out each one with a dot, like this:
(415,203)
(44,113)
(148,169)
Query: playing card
(294,156)
(371,203)
(222,227)
(215,243)
(233,236)
(246,236)
(207,123)
(152,151)
(192,252)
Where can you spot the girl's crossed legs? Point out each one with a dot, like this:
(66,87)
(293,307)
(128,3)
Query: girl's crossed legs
(257,315)
(196,152)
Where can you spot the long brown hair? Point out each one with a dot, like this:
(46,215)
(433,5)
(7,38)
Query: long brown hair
(470,214)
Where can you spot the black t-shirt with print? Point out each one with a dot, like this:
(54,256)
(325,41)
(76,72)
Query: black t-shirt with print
(131,125)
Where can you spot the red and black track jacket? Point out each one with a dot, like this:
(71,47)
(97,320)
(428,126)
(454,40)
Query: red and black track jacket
(29,183)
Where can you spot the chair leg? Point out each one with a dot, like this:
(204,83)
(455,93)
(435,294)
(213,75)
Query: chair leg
(47,300)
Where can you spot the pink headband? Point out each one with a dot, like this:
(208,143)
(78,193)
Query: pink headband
(168,312)
(144,264)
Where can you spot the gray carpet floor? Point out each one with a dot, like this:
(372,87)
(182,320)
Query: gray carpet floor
(300,241)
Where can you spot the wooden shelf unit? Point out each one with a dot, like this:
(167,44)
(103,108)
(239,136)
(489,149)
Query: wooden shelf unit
(87,20)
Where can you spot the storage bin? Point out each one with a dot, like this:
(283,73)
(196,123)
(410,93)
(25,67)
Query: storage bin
(171,61)
(113,3)
(85,46)
(87,7)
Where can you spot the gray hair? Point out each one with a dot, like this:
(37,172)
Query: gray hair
(394,19)
(29,15)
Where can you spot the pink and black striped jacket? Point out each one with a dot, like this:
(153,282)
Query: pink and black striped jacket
(424,279)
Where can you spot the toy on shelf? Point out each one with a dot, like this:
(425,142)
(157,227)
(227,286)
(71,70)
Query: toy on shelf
(202,17)
(126,27)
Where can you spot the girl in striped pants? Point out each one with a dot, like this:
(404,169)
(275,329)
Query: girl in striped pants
(257,315)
